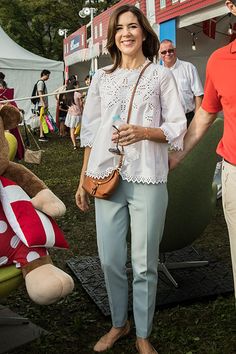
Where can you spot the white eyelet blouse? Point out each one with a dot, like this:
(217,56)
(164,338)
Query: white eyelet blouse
(156,104)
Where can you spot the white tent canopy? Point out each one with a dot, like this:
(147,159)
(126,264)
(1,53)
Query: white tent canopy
(22,69)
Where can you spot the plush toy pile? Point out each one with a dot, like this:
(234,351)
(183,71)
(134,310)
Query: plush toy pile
(27,228)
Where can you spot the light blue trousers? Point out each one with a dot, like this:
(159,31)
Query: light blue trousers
(143,208)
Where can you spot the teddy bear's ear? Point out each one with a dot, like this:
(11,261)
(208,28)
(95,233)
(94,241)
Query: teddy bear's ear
(10,115)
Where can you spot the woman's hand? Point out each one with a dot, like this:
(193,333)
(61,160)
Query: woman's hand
(82,199)
(129,134)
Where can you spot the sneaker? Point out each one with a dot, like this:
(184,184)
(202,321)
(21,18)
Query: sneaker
(42,138)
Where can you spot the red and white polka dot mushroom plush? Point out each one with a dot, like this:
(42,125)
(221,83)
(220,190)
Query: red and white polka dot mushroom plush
(27,228)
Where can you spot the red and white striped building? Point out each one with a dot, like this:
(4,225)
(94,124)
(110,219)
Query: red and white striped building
(204,22)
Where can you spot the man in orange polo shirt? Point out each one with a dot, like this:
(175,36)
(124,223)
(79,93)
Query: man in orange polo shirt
(219,94)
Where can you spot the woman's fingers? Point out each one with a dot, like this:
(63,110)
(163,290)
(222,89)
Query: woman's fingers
(82,199)
(130,134)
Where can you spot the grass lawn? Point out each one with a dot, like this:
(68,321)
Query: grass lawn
(75,323)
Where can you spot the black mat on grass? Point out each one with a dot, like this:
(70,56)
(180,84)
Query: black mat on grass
(194,283)
(15,335)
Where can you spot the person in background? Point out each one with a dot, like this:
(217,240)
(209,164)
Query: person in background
(2,76)
(75,108)
(219,94)
(8,94)
(43,102)
(87,81)
(3,84)
(187,78)
(63,109)
(72,79)
(139,203)
(62,88)
(57,92)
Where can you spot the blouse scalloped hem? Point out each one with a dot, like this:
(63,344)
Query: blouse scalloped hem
(126,177)
(101,174)
(85,144)
(140,179)
(175,144)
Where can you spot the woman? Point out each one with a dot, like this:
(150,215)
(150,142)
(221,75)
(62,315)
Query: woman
(57,92)
(3,84)
(140,201)
(63,109)
(75,108)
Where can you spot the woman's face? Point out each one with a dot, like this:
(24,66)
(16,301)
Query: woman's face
(87,81)
(129,35)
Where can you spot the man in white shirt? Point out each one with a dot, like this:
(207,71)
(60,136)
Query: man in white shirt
(187,78)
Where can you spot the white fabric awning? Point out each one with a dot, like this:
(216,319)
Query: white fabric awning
(83,55)
(201,15)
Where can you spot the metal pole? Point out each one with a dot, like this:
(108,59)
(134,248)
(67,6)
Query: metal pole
(66,68)
(91,21)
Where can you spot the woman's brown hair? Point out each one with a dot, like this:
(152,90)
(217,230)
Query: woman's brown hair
(150,46)
(70,95)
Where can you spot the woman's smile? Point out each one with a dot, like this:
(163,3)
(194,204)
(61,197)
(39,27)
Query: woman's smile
(127,42)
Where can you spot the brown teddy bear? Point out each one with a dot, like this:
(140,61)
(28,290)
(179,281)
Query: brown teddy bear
(42,198)
(45,283)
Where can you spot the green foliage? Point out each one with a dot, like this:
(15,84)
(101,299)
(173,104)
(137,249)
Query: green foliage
(34,24)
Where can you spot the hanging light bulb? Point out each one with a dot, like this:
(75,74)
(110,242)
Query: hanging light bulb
(230,29)
(193,41)
(194,45)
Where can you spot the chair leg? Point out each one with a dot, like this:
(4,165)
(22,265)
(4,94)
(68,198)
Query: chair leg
(188,264)
(162,268)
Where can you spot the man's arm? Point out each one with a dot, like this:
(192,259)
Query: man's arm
(198,102)
(41,93)
(42,99)
(198,127)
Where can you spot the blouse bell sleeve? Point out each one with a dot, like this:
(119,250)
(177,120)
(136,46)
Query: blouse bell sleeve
(91,117)
(174,124)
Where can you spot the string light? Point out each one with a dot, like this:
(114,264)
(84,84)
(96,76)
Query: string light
(230,29)
(193,41)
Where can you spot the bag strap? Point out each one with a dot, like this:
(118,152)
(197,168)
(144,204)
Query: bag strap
(27,142)
(37,145)
(131,104)
(134,90)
